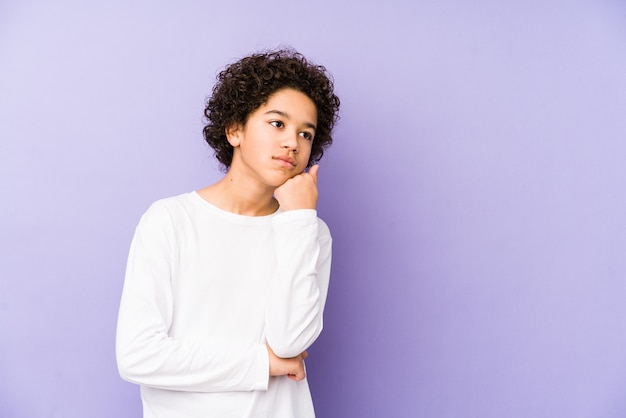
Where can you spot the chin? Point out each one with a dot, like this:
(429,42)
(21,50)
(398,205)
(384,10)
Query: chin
(281,176)
(276,181)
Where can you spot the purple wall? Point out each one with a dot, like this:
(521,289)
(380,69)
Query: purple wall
(476,192)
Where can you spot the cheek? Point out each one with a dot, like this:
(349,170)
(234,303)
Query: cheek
(306,146)
(305,150)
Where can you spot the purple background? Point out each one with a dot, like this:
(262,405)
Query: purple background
(476,194)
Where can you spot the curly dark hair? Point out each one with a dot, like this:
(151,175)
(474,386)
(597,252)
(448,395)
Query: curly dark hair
(244,86)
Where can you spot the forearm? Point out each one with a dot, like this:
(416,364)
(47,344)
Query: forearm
(146,355)
(298,295)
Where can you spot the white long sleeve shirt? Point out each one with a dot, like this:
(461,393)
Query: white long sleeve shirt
(204,291)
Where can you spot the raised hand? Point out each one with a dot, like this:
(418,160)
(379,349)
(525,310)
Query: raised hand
(299,192)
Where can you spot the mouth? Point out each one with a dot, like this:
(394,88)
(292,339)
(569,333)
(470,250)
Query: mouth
(285,161)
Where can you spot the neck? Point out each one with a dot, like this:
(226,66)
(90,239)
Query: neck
(234,195)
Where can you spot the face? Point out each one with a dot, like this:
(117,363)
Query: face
(275,144)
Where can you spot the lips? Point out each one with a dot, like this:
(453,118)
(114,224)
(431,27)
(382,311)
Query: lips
(287,160)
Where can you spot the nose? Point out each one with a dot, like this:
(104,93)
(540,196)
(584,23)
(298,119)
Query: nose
(289,141)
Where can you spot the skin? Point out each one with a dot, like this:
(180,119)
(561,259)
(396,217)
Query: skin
(270,154)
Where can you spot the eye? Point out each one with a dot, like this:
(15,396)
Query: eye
(277,124)
(306,135)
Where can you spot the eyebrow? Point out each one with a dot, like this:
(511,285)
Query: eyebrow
(286,116)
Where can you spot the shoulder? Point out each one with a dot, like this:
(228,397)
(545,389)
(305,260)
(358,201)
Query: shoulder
(168,208)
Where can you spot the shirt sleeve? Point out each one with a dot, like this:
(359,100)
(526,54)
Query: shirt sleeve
(298,294)
(146,354)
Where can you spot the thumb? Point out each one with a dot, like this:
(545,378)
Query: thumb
(313,172)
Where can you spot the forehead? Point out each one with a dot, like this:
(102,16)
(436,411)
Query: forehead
(293,103)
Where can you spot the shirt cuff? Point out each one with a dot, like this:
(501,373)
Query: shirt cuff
(297,215)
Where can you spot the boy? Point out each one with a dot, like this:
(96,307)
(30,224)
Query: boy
(225,287)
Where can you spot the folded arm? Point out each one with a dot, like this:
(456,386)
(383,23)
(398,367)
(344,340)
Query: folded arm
(148,355)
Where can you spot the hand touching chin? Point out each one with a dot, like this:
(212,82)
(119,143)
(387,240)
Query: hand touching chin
(299,192)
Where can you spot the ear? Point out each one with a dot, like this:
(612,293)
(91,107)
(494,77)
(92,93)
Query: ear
(233,134)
